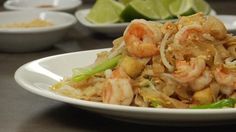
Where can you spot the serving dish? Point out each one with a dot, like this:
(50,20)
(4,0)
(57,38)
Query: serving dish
(229,21)
(109,29)
(116,29)
(37,76)
(33,39)
(52,5)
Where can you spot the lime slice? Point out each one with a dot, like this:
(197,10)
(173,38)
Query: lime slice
(166,3)
(189,7)
(162,8)
(182,7)
(201,6)
(125,2)
(105,12)
(140,9)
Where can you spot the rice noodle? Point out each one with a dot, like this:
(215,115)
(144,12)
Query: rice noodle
(232,50)
(118,50)
(230,40)
(230,61)
(217,58)
(162,52)
(108,73)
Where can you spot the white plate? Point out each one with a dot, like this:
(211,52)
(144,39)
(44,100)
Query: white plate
(39,75)
(118,28)
(33,39)
(56,5)
(229,21)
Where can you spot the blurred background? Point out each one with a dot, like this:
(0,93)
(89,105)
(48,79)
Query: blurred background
(216,4)
(90,1)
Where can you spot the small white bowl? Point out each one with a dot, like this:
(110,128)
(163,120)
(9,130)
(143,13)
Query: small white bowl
(33,39)
(112,29)
(51,5)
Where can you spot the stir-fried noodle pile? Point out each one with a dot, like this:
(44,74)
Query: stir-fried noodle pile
(180,64)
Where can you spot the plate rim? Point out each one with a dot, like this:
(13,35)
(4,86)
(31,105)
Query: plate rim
(231,29)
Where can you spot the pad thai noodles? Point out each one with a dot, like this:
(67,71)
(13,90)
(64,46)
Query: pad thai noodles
(190,63)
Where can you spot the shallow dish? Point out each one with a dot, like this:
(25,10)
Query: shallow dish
(118,28)
(112,29)
(52,5)
(229,21)
(33,39)
(39,75)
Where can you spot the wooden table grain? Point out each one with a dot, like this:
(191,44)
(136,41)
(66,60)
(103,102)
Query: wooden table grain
(22,111)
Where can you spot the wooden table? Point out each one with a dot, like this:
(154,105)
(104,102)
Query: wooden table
(22,111)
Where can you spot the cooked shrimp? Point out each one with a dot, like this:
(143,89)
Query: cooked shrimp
(215,27)
(189,71)
(226,90)
(202,81)
(198,19)
(141,39)
(188,35)
(118,89)
(225,76)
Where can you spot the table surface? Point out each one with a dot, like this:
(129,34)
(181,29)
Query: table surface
(22,111)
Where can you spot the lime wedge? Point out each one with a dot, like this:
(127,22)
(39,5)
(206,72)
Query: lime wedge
(162,8)
(181,7)
(105,11)
(140,9)
(166,3)
(125,2)
(189,7)
(201,6)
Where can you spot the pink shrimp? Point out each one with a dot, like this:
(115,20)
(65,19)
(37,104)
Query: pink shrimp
(224,76)
(189,34)
(189,71)
(118,89)
(202,81)
(141,39)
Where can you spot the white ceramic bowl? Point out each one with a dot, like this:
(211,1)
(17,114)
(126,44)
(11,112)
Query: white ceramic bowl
(33,39)
(117,29)
(113,29)
(52,5)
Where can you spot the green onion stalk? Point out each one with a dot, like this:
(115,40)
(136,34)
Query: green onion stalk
(224,103)
(107,64)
